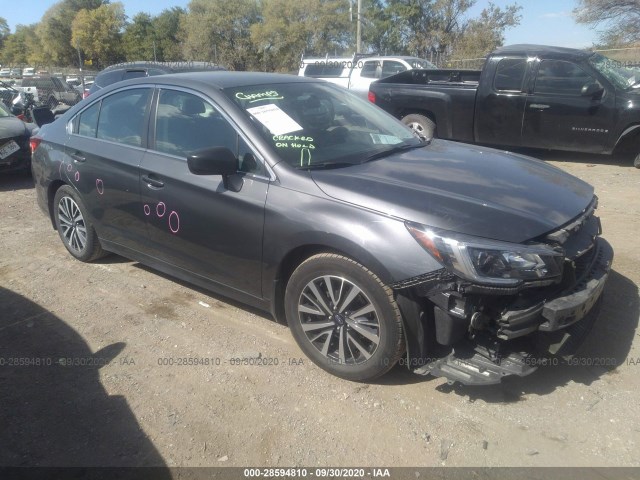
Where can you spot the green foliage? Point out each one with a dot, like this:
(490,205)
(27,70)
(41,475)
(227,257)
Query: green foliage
(291,29)
(220,31)
(267,35)
(620,19)
(98,33)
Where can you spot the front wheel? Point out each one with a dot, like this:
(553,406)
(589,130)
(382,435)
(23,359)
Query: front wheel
(422,126)
(344,318)
(73,224)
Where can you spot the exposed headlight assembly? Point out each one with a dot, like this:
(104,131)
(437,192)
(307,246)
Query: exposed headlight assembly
(490,262)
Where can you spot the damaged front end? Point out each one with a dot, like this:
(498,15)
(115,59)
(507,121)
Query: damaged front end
(499,309)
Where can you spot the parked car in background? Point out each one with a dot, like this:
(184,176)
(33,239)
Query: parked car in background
(295,196)
(525,96)
(28,72)
(5,72)
(357,73)
(15,151)
(128,70)
(52,91)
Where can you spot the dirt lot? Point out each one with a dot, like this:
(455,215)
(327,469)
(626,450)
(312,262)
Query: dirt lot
(138,409)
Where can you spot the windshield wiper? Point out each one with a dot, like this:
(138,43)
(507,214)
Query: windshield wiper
(327,165)
(394,150)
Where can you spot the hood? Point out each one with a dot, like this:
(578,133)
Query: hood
(11,127)
(465,189)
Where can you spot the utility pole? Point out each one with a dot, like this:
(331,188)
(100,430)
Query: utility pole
(359,27)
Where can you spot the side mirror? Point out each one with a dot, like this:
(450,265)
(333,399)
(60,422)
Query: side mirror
(592,90)
(213,161)
(217,161)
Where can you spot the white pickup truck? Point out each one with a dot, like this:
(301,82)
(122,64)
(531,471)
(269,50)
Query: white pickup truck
(357,73)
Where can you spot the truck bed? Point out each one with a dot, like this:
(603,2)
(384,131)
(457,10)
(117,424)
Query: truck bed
(448,95)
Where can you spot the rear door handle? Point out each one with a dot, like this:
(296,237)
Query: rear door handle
(77,157)
(539,106)
(152,182)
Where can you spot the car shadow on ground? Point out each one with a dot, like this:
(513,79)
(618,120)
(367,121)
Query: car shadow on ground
(10,182)
(53,409)
(605,349)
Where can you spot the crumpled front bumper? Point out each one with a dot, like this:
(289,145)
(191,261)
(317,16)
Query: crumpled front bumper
(557,326)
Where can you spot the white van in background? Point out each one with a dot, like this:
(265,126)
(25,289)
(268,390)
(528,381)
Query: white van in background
(28,72)
(357,73)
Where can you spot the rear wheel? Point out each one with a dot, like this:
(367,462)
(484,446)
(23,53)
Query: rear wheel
(422,126)
(344,318)
(73,224)
(636,161)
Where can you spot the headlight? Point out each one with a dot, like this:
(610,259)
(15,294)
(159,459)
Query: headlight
(488,261)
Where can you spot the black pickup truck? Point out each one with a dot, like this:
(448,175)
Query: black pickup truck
(525,96)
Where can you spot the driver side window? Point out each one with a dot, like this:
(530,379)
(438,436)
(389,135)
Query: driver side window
(561,78)
(186,123)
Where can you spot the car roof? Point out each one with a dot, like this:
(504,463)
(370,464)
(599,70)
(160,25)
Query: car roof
(543,50)
(219,79)
(166,66)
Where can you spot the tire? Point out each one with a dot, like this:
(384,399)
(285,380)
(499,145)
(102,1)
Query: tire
(636,161)
(422,126)
(74,227)
(325,327)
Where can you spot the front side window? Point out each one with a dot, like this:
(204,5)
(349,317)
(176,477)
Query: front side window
(510,74)
(561,78)
(122,117)
(320,125)
(618,73)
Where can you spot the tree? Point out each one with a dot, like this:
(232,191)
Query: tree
(167,33)
(138,39)
(220,31)
(309,27)
(621,19)
(98,33)
(4,31)
(485,33)
(15,50)
(54,29)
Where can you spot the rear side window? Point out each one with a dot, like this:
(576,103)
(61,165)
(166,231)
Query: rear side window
(134,74)
(108,78)
(510,74)
(122,117)
(325,69)
(391,67)
(369,69)
(88,121)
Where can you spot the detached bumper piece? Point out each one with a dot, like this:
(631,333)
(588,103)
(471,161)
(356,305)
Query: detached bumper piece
(475,365)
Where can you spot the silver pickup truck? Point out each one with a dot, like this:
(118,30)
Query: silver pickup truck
(357,73)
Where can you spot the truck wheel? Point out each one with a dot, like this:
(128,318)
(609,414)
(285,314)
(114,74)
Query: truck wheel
(422,126)
(344,318)
(636,161)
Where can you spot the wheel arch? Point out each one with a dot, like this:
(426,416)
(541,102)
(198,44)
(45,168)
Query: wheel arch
(51,193)
(626,138)
(298,254)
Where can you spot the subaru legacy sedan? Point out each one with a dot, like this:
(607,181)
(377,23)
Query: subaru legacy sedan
(291,195)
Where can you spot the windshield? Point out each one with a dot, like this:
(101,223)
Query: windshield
(318,125)
(616,72)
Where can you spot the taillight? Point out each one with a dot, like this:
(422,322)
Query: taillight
(34,142)
(372,97)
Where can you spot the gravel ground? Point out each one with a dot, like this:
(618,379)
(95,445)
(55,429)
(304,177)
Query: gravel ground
(126,404)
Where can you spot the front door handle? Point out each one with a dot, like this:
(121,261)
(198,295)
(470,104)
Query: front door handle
(77,157)
(539,106)
(152,182)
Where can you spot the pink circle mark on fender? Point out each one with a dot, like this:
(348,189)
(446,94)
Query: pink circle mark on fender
(77,176)
(174,222)
(161,209)
(99,186)
(147,210)
(69,168)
